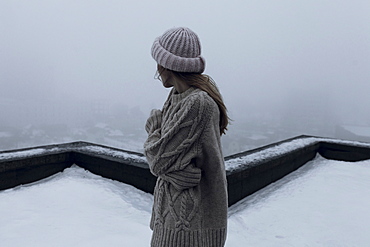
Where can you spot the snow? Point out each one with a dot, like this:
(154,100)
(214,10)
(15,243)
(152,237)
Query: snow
(277,150)
(112,152)
(25,153)
(283,148)
(75,208)
(87,148)
(324,203)
(230,164)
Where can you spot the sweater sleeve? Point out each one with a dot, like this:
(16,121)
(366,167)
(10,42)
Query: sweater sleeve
(184,179)
(168,155)
(154,121)
(153,125)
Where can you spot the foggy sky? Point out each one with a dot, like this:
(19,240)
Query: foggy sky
(264,55)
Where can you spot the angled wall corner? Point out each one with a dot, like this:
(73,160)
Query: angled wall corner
(255,168)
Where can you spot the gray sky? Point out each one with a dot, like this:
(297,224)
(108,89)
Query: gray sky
(262,54)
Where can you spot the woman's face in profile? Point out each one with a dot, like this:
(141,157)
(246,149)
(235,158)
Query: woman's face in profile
(164,76)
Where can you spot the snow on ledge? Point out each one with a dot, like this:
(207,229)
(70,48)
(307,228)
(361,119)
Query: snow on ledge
(111,152)
(230,164)
(284,148)
(89,148)
(267,153)
(26,153)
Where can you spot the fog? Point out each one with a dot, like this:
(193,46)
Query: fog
(82,70)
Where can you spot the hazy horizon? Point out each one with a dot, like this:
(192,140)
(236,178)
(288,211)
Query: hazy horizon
(268,58)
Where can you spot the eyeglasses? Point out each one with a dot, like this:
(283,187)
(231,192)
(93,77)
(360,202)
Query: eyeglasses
(157,76)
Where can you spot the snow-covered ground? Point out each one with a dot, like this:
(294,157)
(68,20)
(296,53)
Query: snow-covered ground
(324,203)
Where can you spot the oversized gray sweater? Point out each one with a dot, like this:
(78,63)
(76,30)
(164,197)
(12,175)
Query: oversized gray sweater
(183,150)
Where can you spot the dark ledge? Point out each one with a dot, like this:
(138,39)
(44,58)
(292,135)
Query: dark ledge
(247,172)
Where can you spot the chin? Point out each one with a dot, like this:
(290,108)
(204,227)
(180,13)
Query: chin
(167,85)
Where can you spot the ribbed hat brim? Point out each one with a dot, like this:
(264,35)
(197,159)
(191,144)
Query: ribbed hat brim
(176,63)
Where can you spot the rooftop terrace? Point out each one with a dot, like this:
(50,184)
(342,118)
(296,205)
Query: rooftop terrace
(247,173)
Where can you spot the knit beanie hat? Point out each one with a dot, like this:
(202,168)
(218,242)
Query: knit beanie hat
(178,49)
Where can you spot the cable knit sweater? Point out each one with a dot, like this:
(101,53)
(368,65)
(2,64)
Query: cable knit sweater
(183,150)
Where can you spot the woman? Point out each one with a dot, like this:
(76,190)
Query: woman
(183,148)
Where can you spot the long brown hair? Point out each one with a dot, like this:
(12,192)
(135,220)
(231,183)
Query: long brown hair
(207,84)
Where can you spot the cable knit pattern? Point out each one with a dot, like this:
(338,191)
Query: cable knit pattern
(183,150)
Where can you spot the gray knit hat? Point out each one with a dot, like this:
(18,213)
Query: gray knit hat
(178,49)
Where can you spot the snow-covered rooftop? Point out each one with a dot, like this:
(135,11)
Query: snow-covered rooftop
(283,148)
(324,203)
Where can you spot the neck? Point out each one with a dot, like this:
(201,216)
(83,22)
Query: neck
(180,85)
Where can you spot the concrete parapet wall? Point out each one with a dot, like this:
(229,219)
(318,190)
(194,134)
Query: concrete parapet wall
(245,181)
(124,170)
(255,168)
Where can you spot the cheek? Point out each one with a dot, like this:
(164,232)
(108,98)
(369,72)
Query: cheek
(166,81)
